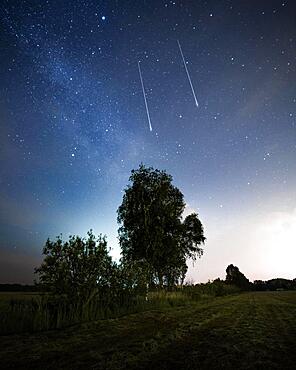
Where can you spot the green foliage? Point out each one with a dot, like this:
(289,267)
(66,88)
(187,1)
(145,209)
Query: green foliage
(78,269)
(46,311)
(132,276)
(235,277)
(152,230)
(216,288)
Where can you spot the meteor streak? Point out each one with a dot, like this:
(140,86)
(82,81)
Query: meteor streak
(188,75)
(144,94)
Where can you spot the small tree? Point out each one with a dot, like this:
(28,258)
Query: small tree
(235,277)
(78,268)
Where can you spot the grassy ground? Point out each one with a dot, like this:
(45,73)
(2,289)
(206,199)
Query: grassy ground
(247,331)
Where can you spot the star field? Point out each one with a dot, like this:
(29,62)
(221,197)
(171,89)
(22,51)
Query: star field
(74,124)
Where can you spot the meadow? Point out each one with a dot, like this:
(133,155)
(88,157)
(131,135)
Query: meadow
(254,330)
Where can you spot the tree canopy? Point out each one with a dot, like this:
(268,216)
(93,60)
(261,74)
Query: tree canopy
(76,268)
(152,230)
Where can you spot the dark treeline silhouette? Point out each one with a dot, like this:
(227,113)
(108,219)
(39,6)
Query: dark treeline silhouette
(18,288)
(275,284)
(235,277)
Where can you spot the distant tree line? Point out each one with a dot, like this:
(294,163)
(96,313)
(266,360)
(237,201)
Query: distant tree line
(274,284)
(18,288)
(237,278)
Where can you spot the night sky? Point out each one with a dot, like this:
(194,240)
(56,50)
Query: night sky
(73,123)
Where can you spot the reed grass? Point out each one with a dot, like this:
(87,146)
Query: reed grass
(37,312)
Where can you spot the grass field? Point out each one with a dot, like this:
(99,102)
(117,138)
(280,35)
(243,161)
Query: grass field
(248,331)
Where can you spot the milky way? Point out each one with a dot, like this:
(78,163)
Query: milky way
(73,121)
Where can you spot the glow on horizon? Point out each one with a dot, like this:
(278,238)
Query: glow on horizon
(263,247)
(278,242)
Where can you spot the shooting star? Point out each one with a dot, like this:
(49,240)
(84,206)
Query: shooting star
(144,94)
(188,75)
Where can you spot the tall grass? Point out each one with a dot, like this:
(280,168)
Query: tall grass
(46,312)
(22,313)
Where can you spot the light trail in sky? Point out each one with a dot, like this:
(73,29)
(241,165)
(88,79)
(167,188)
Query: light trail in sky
(145,99)
(188,75)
